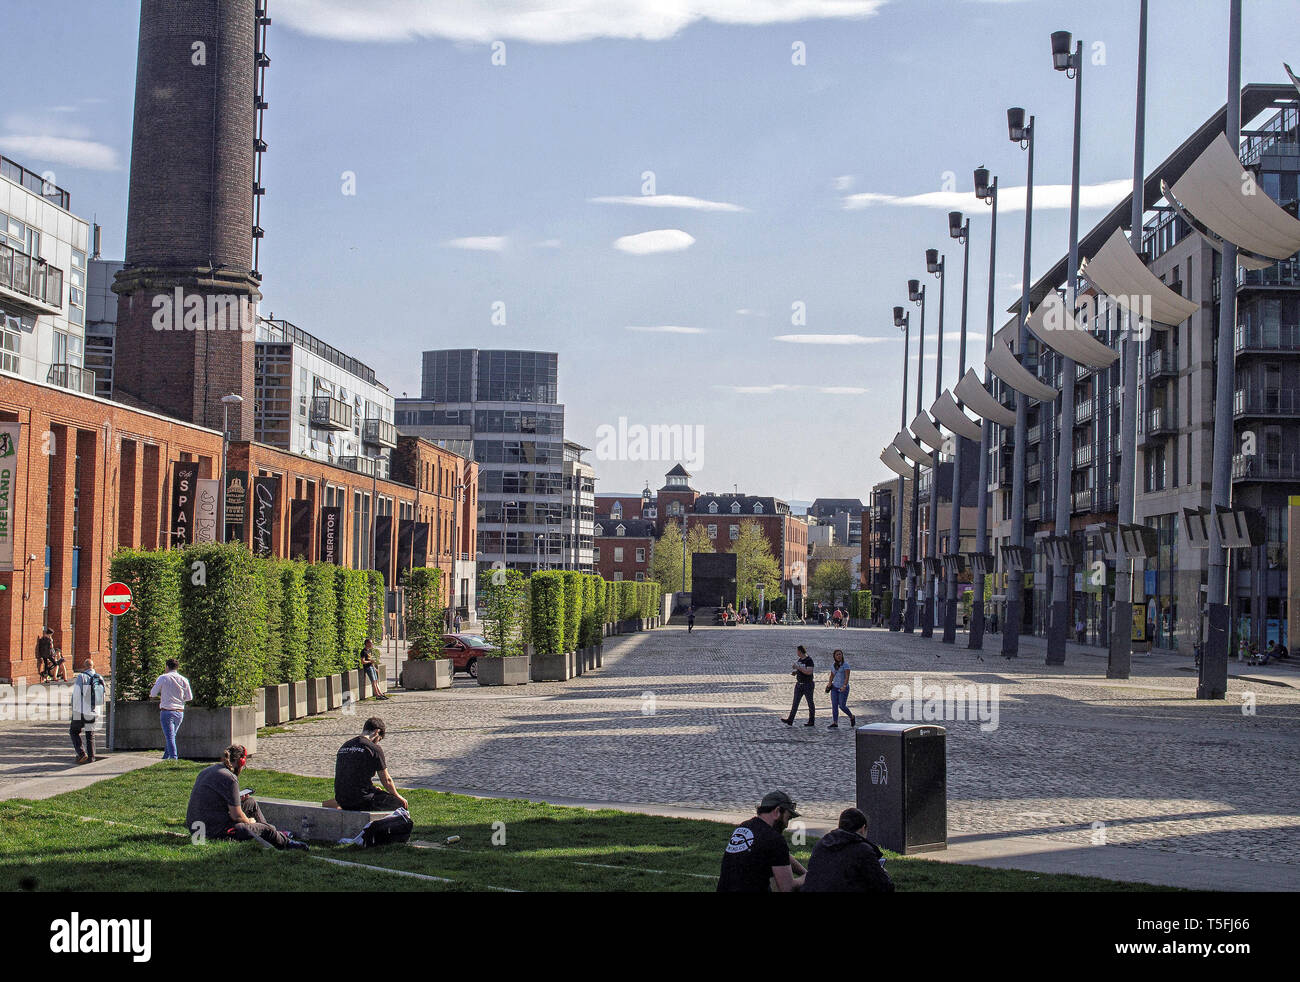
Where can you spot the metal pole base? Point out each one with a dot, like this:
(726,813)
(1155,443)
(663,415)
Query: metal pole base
(975,641)
(927,618)
(1011,629)
(1119,663)
(1212,680)
(909,616)
(1057,632)
(950,621)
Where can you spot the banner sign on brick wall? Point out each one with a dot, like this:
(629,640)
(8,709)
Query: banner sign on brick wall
(185,476)
(9,433)
(266,514)
(205,510)
(236,504)
(299,528)
(331,535)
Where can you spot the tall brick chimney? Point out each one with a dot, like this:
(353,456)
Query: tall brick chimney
(188,290)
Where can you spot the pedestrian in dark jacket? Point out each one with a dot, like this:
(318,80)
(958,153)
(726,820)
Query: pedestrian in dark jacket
(845,861)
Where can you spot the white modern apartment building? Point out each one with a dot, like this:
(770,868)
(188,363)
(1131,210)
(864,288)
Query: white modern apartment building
(578,517)
(43,257)
(314,400)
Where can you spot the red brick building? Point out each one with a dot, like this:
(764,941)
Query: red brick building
(721,516)
(624,547)
(93,476)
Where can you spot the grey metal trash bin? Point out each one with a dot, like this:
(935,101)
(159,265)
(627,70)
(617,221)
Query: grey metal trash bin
(902,774)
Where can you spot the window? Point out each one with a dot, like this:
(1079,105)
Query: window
(618,575)
(619,530)
(595,554)
(758,507)
(618,554)
(735,508)
(713,507)
(713,531)
(640,555)
(640,577)
(674,508)
(734,532)
(616,511)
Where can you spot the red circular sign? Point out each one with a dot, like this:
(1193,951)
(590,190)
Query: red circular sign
(117,598)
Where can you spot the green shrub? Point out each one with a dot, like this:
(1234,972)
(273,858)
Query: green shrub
(887,604)
(503,594)
(294,623)
(352,607)
(223,616)
(424,612)
(150,632)
(627,599)
(376,598)
(596,613)
(548,596)
(273,653)
(322,621)
(572,609)
(860,604)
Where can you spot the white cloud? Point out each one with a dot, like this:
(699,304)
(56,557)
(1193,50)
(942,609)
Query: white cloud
(666,201)
(1046,197)
(545,21)
(549,244)
(87,154)
(658,240)
(479,243)
(668,329)
(833,339)
(763,390)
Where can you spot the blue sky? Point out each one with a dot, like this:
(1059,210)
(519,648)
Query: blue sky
(475,184)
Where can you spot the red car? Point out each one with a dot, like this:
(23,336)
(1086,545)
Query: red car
(465,650)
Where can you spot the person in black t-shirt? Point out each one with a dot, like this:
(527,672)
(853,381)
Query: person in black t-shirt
(802,670)
(358,760)
(757,852)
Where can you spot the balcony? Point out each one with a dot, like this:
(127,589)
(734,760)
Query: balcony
(1083,412)
(72,377)
(1083,456)
(1082,371)
(1033,472)
(1082,500)
(1266,467)
(1159,423)
(31,281)
(1268,402)
(1105,499)
(1034,512)
(1034,433)
(379,433)
(35,182)
(1266,338)
(1283,274)
(360,465)
(328,413)
(1160,364)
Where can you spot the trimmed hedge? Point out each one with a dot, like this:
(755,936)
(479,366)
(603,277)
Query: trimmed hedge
(860,604)
(424,612)
(503,594)
(572,609)
(377,600)
(352,600)
(547,595)
(294,623)
(223,615)
(322,621)
(273,653)
(150,632)
(595,612)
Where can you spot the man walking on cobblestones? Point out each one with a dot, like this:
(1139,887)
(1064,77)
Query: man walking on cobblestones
(802,670)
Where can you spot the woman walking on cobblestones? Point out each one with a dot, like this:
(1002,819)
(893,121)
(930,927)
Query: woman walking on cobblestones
(838,687)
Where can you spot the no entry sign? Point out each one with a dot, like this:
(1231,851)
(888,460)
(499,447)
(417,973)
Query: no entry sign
(117,598)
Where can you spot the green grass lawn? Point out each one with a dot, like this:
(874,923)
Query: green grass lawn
(121,835)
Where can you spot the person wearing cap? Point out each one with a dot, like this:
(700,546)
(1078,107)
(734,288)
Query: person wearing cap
(218,810)
(757,854)
(846,861)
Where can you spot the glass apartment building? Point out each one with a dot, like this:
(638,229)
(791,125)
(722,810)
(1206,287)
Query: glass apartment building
(502,408)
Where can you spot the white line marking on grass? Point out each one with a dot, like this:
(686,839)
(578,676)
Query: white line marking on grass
(402,872)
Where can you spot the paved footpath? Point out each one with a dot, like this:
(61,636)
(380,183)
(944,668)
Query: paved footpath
(1129,779)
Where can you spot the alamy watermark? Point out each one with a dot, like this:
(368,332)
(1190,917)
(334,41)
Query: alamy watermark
(179,311)
(969,703)
(658,441)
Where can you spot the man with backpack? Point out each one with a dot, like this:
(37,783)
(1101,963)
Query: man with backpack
(87,704)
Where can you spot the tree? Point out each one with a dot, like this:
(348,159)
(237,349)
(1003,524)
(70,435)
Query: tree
(503,594)
(755,565)
(830,579)
(666,559)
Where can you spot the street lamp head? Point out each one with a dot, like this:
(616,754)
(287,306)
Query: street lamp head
(899,318)
(983,190)
(1061,58)
(956,226)
(914,291)
(932,263)
(1016,128)
(233,399)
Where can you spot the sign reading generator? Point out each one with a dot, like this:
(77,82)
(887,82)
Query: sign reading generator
(8,484)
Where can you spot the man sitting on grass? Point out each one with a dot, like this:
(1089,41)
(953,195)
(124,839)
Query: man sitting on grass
(357,762)
(217,810)
(758,855)
(845,861)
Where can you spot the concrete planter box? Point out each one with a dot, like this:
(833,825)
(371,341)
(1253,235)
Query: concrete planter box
(297,700)
(383,678)
(431,673)
(206,733)
(203,735)
(503,671)
(576,664)
(353,689)
(277,704)
(600,656)
(317,697)
(551,668)
(334,691)
(259,707)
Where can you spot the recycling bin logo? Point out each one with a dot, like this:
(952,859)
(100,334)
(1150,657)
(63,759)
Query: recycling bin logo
(880,771)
